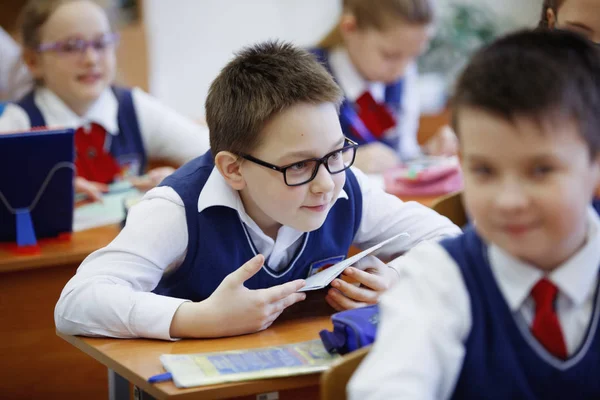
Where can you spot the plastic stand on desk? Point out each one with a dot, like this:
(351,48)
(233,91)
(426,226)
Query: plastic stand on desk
(26,240)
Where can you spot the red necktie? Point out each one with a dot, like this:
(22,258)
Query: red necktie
(92,161)
(546,326)
(376,117)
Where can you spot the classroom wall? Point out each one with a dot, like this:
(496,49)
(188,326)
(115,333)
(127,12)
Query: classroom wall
(190,40)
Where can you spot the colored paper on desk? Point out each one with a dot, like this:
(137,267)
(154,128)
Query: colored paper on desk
(324,278)
(110,211)
(429,176)
(201,369)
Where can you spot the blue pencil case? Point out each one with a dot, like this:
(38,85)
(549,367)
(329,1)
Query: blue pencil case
(352,329)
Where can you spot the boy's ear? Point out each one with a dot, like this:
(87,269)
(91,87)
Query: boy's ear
(229,165)
(32,60)
(348,23)
(551,17)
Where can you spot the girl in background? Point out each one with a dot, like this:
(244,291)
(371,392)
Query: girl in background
(69,48)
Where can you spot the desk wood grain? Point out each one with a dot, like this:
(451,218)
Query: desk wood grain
(56,253)
(138,359)
(35,362)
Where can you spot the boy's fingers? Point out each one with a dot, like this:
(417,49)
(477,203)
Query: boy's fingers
(365,278)
(248,270)
(288,301)
(276,293)
(334,304)
(343,301)
(280,306)
(356,293)
(268,323)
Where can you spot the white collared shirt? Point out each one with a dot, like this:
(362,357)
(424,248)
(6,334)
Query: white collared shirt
(279,252)
(426,317)
(166,134)
(354,85)
(110,294)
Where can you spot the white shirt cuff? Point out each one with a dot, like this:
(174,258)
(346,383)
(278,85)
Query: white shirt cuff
(153,315)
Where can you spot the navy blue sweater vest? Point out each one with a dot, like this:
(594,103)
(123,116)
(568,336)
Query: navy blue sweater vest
(503,360)
(219,242)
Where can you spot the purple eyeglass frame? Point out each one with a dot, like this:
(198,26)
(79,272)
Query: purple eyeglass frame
(108,38)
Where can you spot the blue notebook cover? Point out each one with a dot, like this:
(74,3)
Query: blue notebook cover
(36,173)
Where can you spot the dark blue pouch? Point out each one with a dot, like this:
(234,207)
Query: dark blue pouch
(352,329)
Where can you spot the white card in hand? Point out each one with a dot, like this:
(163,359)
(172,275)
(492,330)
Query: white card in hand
(323,278)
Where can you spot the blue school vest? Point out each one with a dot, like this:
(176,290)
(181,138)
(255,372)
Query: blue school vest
(219,242)
(348,116)
(127,147)
(503,360)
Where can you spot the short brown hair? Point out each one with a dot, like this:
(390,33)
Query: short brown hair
(380,14)
(541,74)
(261,81)
(35,14)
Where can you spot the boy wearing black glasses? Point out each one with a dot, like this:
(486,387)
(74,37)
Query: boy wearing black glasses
(223,245)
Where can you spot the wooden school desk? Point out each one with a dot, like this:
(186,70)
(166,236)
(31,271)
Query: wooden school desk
(136,360)
(35,363)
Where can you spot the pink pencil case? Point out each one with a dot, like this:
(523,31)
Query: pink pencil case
(429,181)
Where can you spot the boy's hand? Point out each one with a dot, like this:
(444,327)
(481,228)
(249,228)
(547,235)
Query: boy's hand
(375,158)
(443,143)
(233,309)
(151,179)
(93,190)
(373,276)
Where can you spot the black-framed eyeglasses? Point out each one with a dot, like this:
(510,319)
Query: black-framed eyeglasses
(302,172)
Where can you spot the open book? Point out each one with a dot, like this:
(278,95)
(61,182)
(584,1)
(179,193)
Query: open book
(110,211)
(324,278)
(200,369)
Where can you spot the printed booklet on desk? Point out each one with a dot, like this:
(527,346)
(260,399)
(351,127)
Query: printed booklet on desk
(189,370)
(324,278)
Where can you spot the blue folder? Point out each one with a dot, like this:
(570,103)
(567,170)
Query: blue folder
(36,185)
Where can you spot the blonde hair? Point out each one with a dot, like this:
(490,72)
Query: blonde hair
(37,12)
(379,14)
